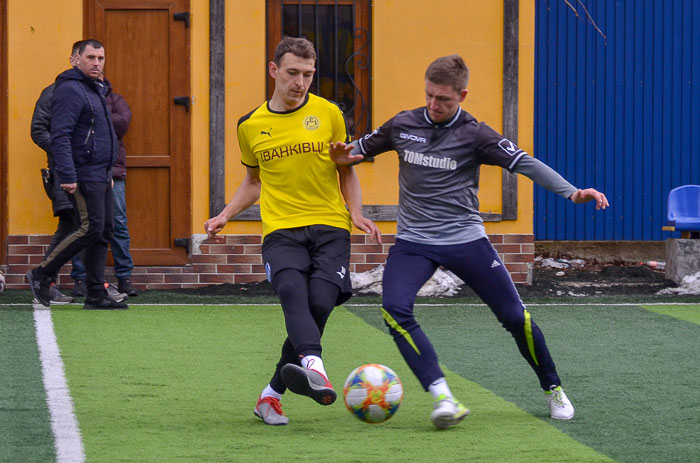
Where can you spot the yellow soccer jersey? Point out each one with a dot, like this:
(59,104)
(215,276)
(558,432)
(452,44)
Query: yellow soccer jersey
(299,180)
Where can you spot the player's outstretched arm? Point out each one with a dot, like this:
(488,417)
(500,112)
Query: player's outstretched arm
(341,153)
(590,194)
(350,188)
(247,193)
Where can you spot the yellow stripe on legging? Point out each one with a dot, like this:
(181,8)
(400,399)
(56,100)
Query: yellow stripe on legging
(392,323)
(528,337)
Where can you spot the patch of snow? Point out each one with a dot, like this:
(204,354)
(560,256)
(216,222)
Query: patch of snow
(558,263)
(442,283)
(690,284)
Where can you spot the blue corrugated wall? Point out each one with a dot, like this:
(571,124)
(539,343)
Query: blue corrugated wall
(621,114)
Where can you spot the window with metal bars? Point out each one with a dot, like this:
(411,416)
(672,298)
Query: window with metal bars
(340,31)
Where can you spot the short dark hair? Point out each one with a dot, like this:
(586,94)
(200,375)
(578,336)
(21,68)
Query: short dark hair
(92,42)
(76,47)
(449,70)
(297,46)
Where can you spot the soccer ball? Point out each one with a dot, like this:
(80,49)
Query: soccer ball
(373,393)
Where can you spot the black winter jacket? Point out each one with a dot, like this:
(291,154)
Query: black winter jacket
(41,135)
(83,141)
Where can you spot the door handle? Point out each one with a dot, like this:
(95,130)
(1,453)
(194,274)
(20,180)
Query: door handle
(183,101)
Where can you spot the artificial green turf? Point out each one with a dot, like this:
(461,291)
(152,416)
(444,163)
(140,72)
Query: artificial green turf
(25,430)
(180,383)
(631,374)
(689,313)
(244,295)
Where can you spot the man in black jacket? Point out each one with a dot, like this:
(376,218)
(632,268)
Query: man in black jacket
(60,202)
(84,148)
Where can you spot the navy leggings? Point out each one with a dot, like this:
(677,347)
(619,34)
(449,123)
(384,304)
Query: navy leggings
(409,265)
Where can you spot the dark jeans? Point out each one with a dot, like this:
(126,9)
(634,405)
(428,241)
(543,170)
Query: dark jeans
(94,206)
(68,222)
(123,264)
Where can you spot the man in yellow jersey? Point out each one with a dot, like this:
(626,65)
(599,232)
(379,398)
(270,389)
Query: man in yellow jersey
(306,226)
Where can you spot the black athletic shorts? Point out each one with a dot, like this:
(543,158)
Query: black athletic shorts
(321,251)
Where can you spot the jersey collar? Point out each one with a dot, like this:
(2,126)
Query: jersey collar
(445,123)
(306,100)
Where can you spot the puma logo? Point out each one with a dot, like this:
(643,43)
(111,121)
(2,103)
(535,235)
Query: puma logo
(269,133)
(341,274)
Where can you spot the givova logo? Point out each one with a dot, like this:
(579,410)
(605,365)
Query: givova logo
(408,136)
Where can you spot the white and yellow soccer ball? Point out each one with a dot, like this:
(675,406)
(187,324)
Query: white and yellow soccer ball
(373,393)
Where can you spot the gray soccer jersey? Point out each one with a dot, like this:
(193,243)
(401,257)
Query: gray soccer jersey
(439,172)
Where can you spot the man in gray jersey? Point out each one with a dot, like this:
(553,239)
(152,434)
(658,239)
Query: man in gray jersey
(440,148)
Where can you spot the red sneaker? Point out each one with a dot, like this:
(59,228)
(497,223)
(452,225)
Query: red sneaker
(269,410)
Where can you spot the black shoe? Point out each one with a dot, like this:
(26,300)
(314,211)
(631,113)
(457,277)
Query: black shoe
(310,383)
(126,287)
(79,288)
(40,286)
(103,302)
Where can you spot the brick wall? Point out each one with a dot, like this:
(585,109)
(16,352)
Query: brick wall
(236,259)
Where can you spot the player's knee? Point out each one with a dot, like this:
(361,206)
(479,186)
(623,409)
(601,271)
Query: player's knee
(286,288)
(398,321)
(513,323)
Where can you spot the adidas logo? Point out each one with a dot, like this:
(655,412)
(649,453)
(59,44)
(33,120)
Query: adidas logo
(495,263)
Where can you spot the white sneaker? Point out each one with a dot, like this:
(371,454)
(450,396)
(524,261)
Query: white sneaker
(447,412)
(559,404)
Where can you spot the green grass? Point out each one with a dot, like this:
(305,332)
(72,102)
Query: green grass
(179,384)
(632,374)
(25,432)
(689,313)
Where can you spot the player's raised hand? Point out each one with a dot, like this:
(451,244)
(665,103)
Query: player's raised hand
(214,226)
(340,153)
(590,194)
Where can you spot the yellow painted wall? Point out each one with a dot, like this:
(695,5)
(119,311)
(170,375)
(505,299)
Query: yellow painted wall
(199,63)
(40,35)
(407,36)
(246,69)
(39,39)
(402,50)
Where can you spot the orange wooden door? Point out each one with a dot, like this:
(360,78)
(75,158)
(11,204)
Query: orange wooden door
(147,52)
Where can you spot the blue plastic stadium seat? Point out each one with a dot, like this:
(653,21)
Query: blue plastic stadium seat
(684,208)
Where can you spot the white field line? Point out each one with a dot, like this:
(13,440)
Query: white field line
(452,304)
(67,439)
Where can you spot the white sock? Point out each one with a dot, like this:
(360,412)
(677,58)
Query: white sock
(439,387)
(313,362)
(269,392)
